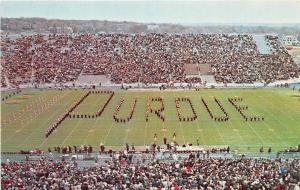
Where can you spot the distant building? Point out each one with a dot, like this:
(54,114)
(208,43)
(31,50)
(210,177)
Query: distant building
(152,27)
(289,40)
(61,30)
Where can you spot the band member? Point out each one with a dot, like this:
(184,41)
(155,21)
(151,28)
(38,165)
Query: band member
(165,140)
(155,137)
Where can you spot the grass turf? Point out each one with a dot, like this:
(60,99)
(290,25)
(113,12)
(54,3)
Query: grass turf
(24,120)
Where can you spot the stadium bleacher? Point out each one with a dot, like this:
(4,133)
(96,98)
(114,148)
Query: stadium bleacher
(150,58)
(141,171)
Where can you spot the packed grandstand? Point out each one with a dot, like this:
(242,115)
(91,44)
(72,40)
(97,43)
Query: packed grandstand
(152,58)
(132,171)
(144,58)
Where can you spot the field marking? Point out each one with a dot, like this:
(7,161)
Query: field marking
(16,121)
(26,124)
(199,128)
(210,120)
(70,133)
(91,131)
(164,130)
(281,110)
(146,126)
(179,121)
(254,131)
(131,121)
(55,131)
(257,134)
(231,122)
(145,133)
(34,104)
(237,132)
(215,126)
(104,140)
(95,123)
(275,134)
(269,127)
(111,126)
(287,107)
(42,125)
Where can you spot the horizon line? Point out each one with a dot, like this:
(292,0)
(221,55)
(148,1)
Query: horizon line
(178,23)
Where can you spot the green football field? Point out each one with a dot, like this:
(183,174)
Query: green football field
(26,117)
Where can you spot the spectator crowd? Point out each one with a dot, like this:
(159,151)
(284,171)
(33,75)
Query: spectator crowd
(124,171)
(146,58)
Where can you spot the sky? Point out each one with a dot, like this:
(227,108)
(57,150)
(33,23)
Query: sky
(220,11)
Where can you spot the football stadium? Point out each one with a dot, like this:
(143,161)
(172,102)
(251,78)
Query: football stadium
(155,109)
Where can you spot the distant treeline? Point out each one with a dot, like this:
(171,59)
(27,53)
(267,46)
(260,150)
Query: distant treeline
(41,25)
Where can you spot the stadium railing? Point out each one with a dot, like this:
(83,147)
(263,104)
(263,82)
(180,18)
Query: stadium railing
(169,156)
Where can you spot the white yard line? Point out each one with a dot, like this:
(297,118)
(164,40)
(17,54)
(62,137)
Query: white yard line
(72,131)
(130,123)
(200,130)
(236,131)
(95,122)
(219,133)
(281,110)
(163,124)
(104,141)
(260,137)
(51,117)
(29,122)
(230,120)
(145,134)
(179,121)
(254,131)
(286,107)
(216,127)
(146,126)
(111,126)
(46,139)
(269,125)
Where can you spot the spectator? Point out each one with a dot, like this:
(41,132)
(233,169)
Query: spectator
(150,58)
